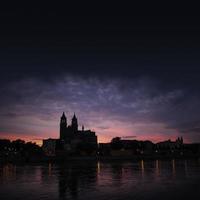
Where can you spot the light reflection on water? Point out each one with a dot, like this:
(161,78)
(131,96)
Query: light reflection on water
(102,180)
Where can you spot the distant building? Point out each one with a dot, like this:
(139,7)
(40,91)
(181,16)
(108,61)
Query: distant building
(120,147)
(49,146)
(168,144)
(104,149)
(72,140)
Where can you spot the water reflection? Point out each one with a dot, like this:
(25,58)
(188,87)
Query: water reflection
(8,172)
(101,180)
(173,168)
(98,167)
(157,169)
(73,177)
(50,169)
(186,168)
(142,168)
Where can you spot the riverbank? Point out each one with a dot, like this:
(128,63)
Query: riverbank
(58,159)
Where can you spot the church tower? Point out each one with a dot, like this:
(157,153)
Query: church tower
(63,126)
(74,123)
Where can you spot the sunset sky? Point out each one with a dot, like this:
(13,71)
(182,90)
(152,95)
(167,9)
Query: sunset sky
(127,76)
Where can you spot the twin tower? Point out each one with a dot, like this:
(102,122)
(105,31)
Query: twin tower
(71,136)
(65,130)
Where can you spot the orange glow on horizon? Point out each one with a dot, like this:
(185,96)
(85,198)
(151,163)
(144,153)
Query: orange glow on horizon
(103,138)
(13,137)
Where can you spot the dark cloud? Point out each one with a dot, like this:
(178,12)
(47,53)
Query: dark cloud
(139,74)
(32,105)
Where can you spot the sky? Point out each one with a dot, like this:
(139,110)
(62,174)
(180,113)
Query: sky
(127,76)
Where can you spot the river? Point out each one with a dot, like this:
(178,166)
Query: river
(167,179)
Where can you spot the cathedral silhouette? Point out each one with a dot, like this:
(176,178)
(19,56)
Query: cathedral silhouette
(72,138)
(72,141)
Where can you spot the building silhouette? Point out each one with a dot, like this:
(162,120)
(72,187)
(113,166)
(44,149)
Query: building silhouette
(71,140)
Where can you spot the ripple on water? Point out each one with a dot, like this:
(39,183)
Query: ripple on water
(102,180)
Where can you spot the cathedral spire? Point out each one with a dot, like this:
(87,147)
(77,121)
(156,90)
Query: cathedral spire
(74,123)
(63,125)
(63,115)
(74,117)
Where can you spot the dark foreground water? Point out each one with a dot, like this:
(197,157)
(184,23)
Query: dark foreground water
(173,179)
